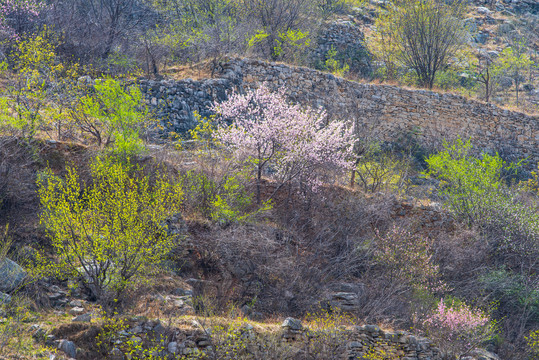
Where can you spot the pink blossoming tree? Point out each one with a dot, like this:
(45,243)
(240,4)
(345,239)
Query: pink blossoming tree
(297,143)
(16,15)
(458,330)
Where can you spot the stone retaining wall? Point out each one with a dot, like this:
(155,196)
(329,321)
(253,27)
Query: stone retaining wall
(379,111)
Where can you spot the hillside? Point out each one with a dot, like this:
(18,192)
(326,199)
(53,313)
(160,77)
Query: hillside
(269,179)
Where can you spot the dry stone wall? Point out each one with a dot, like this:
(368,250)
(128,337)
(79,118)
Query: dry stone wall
(379,111)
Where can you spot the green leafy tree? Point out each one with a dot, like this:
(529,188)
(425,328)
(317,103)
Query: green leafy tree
(27,96)
(470,184)
(114,115)
(514,61)
(112,231)
(334,65)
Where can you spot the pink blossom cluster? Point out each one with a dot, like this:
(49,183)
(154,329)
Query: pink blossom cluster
(457,330)
(14,12)
(295,142)
(456,320)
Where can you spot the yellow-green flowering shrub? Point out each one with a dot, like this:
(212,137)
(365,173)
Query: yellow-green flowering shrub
(111,231)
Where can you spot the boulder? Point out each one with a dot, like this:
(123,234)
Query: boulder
(11,275)
(172,347)
(68,347)
(292,324)
(82,318)
(4,298)
(292,328)
(483,10)
(506,82)
(482,354)
(76,311)
(116,354)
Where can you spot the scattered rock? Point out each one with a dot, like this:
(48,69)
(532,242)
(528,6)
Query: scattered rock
(183,292)
(68,347)
(76,311)
(481,37)
(116,354)
(159,329)
(50,340)
(172,347)
(292,324)
(11,275)
(483,10)
(4,298)
(85,81)
(136,330)
(38,333)
(372,328)
(471,24)
(482,354)
(506,82)
(256,316)
(75,303)
(82,318)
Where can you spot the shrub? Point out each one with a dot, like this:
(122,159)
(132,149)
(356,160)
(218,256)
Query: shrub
(533,344)
(469,184)
(408,259)
(114,115)
(109,232)
(378,170)
(22,106)
(219,189)
(457,328)
(333,65)
(327,333)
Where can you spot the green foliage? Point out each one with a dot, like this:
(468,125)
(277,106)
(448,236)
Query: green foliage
(327,332)
(468,183)
(22,105)
(114,115)
(111,326)
(15,317)
(288,44)
(533,344)
(333,65)
(220,194)
(378,353)
(379,170)
(513,61)
(291,43)
(225,200)
(516,291)
(111,231)
(476,193)
(257,38)
(121,64)
(233,339)
(232,203)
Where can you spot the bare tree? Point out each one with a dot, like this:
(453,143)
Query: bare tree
(276,17)
(424,33)
(94,27)
(488,74)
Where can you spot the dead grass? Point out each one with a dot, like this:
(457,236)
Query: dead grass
(197,71)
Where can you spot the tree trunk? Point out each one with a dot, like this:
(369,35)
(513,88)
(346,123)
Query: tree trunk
(110,39)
